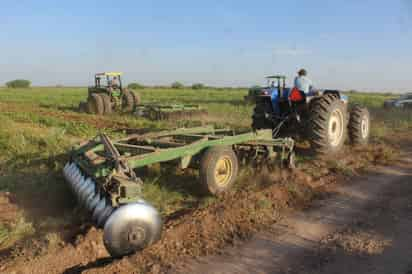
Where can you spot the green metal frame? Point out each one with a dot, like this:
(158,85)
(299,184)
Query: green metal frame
(103,159)
(162,111)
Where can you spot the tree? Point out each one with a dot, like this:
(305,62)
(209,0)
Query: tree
(135,86)
(177,85)
(198,86)
(18,83)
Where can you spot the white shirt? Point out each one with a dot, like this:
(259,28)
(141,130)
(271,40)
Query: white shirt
(303,83)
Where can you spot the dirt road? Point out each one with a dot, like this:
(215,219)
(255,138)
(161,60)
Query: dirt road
(365,228)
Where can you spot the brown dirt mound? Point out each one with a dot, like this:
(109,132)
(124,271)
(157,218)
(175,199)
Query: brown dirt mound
(8,208)
(235,216)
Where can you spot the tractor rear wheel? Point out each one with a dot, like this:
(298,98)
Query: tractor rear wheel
(107,104)
(136,98)
(359,125)
(95,104)
(327,124)
(218,169)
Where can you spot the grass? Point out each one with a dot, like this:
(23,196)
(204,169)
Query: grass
(39,125)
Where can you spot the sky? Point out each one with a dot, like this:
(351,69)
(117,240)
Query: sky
(345,44)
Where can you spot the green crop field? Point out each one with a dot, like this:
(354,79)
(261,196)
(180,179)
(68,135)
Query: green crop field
(39,125)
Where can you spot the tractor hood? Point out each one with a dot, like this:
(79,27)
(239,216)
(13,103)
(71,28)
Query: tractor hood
(261,91)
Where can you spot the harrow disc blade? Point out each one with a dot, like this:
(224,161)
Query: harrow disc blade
(76,180)
(71,171)
(90,191)
(99,209)
(86,190)
(81,186)
(92,202)
(132,227)
(101,220)
(65,171)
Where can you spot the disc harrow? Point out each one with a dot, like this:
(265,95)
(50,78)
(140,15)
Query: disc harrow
(101,174)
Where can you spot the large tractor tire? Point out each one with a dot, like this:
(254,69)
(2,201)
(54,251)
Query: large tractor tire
(359,125)
(107,103)
(129,100)
(218,169)
(327,124)
(95,104)
(136,98)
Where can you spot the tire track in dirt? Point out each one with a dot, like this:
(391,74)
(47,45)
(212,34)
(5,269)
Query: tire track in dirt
(298,243)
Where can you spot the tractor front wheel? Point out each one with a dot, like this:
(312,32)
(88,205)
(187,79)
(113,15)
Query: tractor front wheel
(129,100)
(95,104)
(359,125)
(218,169)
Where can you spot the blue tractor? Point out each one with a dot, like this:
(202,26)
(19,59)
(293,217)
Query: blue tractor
(322,117)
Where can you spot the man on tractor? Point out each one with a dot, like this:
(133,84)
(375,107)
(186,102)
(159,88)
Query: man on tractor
(302,82)
(114,83)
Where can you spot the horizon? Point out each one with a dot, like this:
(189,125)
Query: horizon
(344,45)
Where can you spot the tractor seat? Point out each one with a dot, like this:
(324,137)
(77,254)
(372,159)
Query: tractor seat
(297,96)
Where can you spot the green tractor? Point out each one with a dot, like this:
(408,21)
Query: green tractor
(108,95)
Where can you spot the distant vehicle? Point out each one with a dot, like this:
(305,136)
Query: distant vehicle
(404,101)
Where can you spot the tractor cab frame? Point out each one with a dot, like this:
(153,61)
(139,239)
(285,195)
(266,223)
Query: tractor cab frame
(109,78)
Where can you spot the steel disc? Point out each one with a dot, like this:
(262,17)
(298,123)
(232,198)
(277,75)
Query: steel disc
(76,180)
(104,215)
(90,191)
(92,203)
(132,227)
(99,209)
(87,190)
(71,172)
(65,170)
(80,187)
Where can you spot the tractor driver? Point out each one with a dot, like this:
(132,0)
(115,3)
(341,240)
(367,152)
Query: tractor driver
(302,82)
(114,82)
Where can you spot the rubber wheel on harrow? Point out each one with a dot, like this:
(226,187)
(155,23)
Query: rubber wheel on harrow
(218,169)
(327,124)
(129,100)
(359,125)
(95,104)
(107,103)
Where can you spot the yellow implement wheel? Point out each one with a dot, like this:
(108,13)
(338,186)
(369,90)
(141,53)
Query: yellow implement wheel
(223,171)
(218,169)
